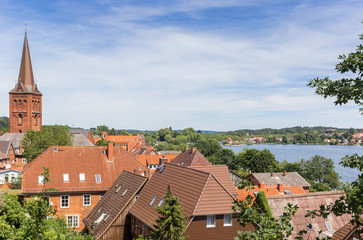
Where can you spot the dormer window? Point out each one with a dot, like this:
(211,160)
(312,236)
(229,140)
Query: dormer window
(55,149)
(98,178)
(82,177)
(65,177)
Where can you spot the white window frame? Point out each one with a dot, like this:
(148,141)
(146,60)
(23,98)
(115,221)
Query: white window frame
(84,200)
(73,218)
(225,223)
(40,180)
(211,218)
(61,202)
(65,177)
(23,160)
(82,177)
(100,179)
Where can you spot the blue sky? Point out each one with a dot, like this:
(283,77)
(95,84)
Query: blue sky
(216,65)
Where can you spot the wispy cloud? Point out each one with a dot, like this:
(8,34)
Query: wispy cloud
(173,64)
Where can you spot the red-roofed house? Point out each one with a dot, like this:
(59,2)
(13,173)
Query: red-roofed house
(81,176)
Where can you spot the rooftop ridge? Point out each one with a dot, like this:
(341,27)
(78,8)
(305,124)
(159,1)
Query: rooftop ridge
(308,194)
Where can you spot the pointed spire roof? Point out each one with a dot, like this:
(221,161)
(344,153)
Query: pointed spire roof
(26,82)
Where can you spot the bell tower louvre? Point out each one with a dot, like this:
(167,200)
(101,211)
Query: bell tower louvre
(25,100)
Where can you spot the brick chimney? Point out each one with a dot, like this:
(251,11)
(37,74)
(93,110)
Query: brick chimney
(186,149)
(194,149)
(262,185)
(110,151)
(279,188)
(272,174)
(284,174)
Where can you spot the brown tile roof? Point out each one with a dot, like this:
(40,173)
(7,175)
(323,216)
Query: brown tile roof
(345,232)
(221,172)
(3,156)
(309,201)
(291,179)
(113,203)
(200,193)
(191,157)
(5,146)
(76,160)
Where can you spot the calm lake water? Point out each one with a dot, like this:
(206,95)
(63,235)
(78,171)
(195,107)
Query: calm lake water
(293,153)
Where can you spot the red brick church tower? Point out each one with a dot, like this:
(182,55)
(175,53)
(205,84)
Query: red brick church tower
(25,100)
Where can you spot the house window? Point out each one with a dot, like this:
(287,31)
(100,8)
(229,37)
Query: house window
(65,177)
(82,177)
(153,200)
(86,200)
(227,220)
(73,221)
(98,178)
(64,201)
(40,179)
(101,195)
(24,160)
(211,221)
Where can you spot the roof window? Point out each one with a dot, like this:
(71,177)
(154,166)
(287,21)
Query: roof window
(103,152)
(123,194)
(153,200)
(65,177)
(287,192)
(82,177)
(161,202)
(55,149)
(329,227)
(100,218)
(118,189)
(162,169)
(106,218)
(308,226)
(98,178)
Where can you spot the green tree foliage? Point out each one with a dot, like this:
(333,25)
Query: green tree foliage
(261,202)
(103,143)
(30,221)
(267,227)
(257,161)
(320,170)
(4,124)
(171,222)
(36,142)
(224,157)
(344,89)
(208,147)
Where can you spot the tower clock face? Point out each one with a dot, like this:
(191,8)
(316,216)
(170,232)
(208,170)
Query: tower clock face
(20,102)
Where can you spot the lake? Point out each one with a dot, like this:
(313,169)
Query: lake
(293,153)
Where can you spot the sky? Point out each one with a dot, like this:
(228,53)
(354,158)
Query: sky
(206,64)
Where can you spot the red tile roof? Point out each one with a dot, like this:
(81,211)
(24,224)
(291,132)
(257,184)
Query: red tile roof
(109,163)
(191,157)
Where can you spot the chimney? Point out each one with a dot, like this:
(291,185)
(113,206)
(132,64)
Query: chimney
(284,174)
(279,188)
(262,185)
(272,174)
(186,149)
(194,149)
(110,151)
(162,160)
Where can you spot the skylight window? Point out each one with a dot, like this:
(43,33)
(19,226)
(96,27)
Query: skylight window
(124,193)
(98,178)
(118,189)
(162,169)
(329,227)
(287,192)
(161,202)
(100,218)
(153,200)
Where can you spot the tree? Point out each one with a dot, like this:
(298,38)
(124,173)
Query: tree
(103,143)
(36,142)
(257,161)
(208,147)
(224,157)
(320,170)
(344,89)
(267,227)
(171,222)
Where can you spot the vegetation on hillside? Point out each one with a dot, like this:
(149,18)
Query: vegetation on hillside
(4,124)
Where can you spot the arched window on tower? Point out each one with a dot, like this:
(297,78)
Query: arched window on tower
(20,119)
(36,117)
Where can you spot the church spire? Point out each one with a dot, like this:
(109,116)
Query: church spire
(26,71)
(26,78)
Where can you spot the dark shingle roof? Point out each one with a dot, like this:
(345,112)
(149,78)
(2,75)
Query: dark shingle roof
(117,197)
(291,179)
(15,138)
(4,146)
